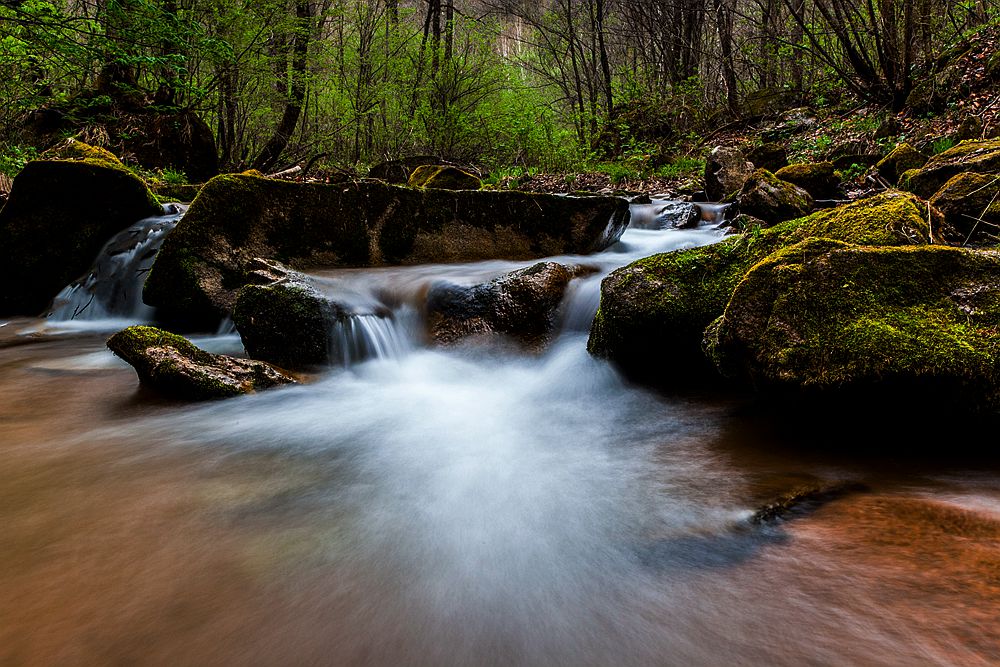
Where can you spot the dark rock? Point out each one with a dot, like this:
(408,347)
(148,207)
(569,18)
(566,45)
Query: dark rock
(900,159)
(803,501)
(285,320)
(771,199)
(917,324)
(889,127)
(726,169)
(237,218)
(970,203)
(174,366)
(398,172)
(817,178)
(443,177)
(667,215)
(521,305)
(854,160)
(58,216)
(771,156)
(181,141)
(971,127)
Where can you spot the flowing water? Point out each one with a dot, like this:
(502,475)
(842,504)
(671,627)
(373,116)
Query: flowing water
(467,506)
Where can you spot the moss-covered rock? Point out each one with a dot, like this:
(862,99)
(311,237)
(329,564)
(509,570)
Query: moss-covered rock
(443,177)
(917,322)
(398,171)
(971,205)
(521,305)
(899,160)
(726,169)
(285,320)
(58,215)
(653,312)
(819,179)
(771,199)
(239,217)
(771,156)
(174,366)
(978,156)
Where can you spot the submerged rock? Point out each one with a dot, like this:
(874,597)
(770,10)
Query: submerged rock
(915,324)
(804,500)
(521,304)
(237,218)
(58,216)
(726,169)
(654,311)
(769,198)
(285,320)
(173,365)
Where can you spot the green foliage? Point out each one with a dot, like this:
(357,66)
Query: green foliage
(942,144)
(13,158)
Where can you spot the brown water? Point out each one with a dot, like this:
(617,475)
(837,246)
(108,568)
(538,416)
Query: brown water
(465,508)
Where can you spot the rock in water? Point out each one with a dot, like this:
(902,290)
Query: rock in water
(58,216)
(173,365)
(521,304)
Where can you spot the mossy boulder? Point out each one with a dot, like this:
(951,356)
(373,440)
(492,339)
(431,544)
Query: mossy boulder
(917,323)
(771,199)
(398,171)
(237,218)
(443,177)
(981,156)
(970,203)
(771,156)
(654,311)
(726,169)
(899,160)
(58,216)
(174,366)
(285,320)
(819,179)
(521,305)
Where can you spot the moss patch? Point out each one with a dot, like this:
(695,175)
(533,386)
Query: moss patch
(443,177)
(971,204)
(900,159)
(769,198)
(982,156)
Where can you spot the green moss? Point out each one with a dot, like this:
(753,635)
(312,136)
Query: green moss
(890,218)
(818,179)
(130,344)
(769,198)
(899,161)
(443,177)
(832,316)
(982,156)
(970,203)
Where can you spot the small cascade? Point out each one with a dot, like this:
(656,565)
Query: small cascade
(359,337)
(113,286)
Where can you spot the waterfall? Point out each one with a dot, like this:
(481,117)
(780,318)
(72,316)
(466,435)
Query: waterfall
(359,337)
(112,289)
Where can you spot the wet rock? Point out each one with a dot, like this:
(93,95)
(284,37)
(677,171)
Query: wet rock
(982,157)
(817,178)
(239,217)
(805,500)
(831,320)
(653,312)
(58,216)
(283,319)
(970,203)
(900,159)
(668,215)
(443,177)
(174,366)
(521,305)
(726,169)
(771,199)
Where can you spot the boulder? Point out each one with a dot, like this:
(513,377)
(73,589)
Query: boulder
(174,366)
(398,171)
(912,324)
(982,157)
(443,177)
(284,320)
(666,215)
(239,217)
(900,159)
(818,179)
(970,203)
(521,305)
(726,169)
(653,312)
(58,216)
(771,156)
(771,199)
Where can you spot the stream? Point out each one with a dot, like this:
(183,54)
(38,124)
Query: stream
(473,505)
